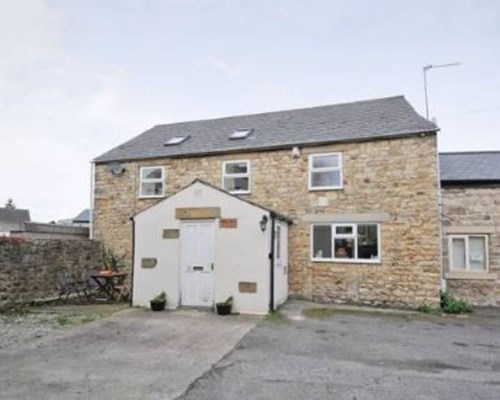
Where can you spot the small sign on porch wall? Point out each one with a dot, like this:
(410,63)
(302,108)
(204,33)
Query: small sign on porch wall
(148,263)
(247,287)
(170,233)
(228,223)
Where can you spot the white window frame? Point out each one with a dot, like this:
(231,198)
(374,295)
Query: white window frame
(149,180)
(237,175)
(354,236)
(325,169)
(467,260)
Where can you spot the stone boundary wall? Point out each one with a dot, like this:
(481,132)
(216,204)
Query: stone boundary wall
(28,267)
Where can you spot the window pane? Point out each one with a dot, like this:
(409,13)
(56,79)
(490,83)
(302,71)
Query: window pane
(325,179)
(237,168)
(325,161)
(322,241)
(344,248)
(343,230)
(236,184)
(152,189)
(367,241)
(477,253)
(151,173)
(458,254)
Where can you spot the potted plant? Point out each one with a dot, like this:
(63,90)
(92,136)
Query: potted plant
(224,308)
(110,262)
(159,302)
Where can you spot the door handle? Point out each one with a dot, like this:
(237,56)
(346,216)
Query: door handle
(212,266)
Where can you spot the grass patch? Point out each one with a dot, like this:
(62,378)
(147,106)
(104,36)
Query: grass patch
(429,309)
(62,320)
(17,310)
(274,316)
(319,313)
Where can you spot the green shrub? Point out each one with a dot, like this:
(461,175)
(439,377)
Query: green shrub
(451,305)
(427,308)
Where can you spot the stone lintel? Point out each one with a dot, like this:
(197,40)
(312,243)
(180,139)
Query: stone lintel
(197,213)
(466,229)
(353,217)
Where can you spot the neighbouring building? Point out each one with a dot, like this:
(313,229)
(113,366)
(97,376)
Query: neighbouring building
(39,230)
(12,219)
(471,225)
(357,182)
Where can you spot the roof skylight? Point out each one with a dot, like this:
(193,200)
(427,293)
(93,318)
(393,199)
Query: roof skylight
(175,140)
(240,134)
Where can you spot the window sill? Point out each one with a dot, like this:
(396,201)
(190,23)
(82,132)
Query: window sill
(151,197)
(345,261)
(324,189)
(470,275)
(240,192)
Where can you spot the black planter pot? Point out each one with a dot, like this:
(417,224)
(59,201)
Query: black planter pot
(158,305)
(223,308)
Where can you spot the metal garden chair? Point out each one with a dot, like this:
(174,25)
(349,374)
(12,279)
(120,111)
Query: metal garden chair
(67,286)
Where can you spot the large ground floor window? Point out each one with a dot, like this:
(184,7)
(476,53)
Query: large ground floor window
(345,242)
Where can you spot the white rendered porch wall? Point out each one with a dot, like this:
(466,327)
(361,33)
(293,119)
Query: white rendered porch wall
(241,254)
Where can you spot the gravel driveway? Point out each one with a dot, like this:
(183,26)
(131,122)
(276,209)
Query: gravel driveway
(134,354)
(358,356)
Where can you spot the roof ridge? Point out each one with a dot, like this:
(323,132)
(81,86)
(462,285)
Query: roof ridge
(229,117)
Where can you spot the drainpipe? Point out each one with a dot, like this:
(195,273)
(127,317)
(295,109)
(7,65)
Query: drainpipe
(271,263)
(92,200)
(443,283)
(133,261)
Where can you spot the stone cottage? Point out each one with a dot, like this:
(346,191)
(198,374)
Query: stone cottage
(471,225)
(357,181)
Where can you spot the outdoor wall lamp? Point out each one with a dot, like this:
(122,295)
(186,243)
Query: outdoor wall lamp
(263,223)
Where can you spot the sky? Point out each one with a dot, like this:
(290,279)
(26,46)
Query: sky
(78,77)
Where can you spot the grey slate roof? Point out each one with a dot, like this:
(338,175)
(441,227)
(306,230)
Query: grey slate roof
(14,215)
(474,166)
(13,219)
(362,120)
(84,216)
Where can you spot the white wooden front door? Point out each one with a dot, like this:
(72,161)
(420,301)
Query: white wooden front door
(197,258)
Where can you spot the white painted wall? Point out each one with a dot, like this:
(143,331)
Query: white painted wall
(241,254)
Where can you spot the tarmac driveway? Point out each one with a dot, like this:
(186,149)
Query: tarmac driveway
(135,354)
(352,355)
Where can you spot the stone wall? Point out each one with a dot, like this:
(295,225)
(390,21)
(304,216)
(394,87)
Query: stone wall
(473,210)
(397,177)
(28,267)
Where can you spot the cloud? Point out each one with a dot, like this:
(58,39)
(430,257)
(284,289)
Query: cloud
(220,65)
(57,112)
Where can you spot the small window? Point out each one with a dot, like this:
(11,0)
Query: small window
(325,171)
(152,182)
(346,242)
(236,176)
(468,253)
(175,140)
(240,134)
